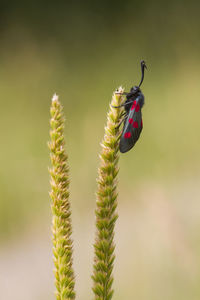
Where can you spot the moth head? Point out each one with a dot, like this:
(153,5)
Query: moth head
(135,89)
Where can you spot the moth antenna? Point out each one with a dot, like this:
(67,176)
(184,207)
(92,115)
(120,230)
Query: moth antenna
(143,66)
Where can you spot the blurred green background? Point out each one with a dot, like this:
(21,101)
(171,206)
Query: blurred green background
(83,51)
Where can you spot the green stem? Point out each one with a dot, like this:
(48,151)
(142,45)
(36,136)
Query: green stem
(60,205)
(106,204)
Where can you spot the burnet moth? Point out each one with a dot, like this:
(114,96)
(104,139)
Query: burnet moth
(132,115)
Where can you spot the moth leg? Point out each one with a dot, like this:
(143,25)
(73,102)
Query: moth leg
(122,120)
(124,113)
(124,104)
(124,93)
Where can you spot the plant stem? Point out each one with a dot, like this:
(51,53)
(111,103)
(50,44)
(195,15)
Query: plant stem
(60,206)
(106,204)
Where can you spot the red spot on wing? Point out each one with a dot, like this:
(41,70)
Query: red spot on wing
(127,135)
(137,108)
(135,124)
(134,105)
(130,121)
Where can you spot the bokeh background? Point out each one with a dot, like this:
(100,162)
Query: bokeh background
(83,51)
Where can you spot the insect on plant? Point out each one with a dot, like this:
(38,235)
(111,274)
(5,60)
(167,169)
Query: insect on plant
(132,116)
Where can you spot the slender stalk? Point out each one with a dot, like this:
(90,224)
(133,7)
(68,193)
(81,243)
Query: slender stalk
(106,204)
(61,223)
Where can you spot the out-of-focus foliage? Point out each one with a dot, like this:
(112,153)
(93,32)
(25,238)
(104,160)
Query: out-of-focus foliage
(84,51)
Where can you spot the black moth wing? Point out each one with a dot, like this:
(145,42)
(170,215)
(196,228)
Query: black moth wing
(132,127)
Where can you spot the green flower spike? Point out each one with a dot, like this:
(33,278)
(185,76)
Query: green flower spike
(61,225)
(106,215)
